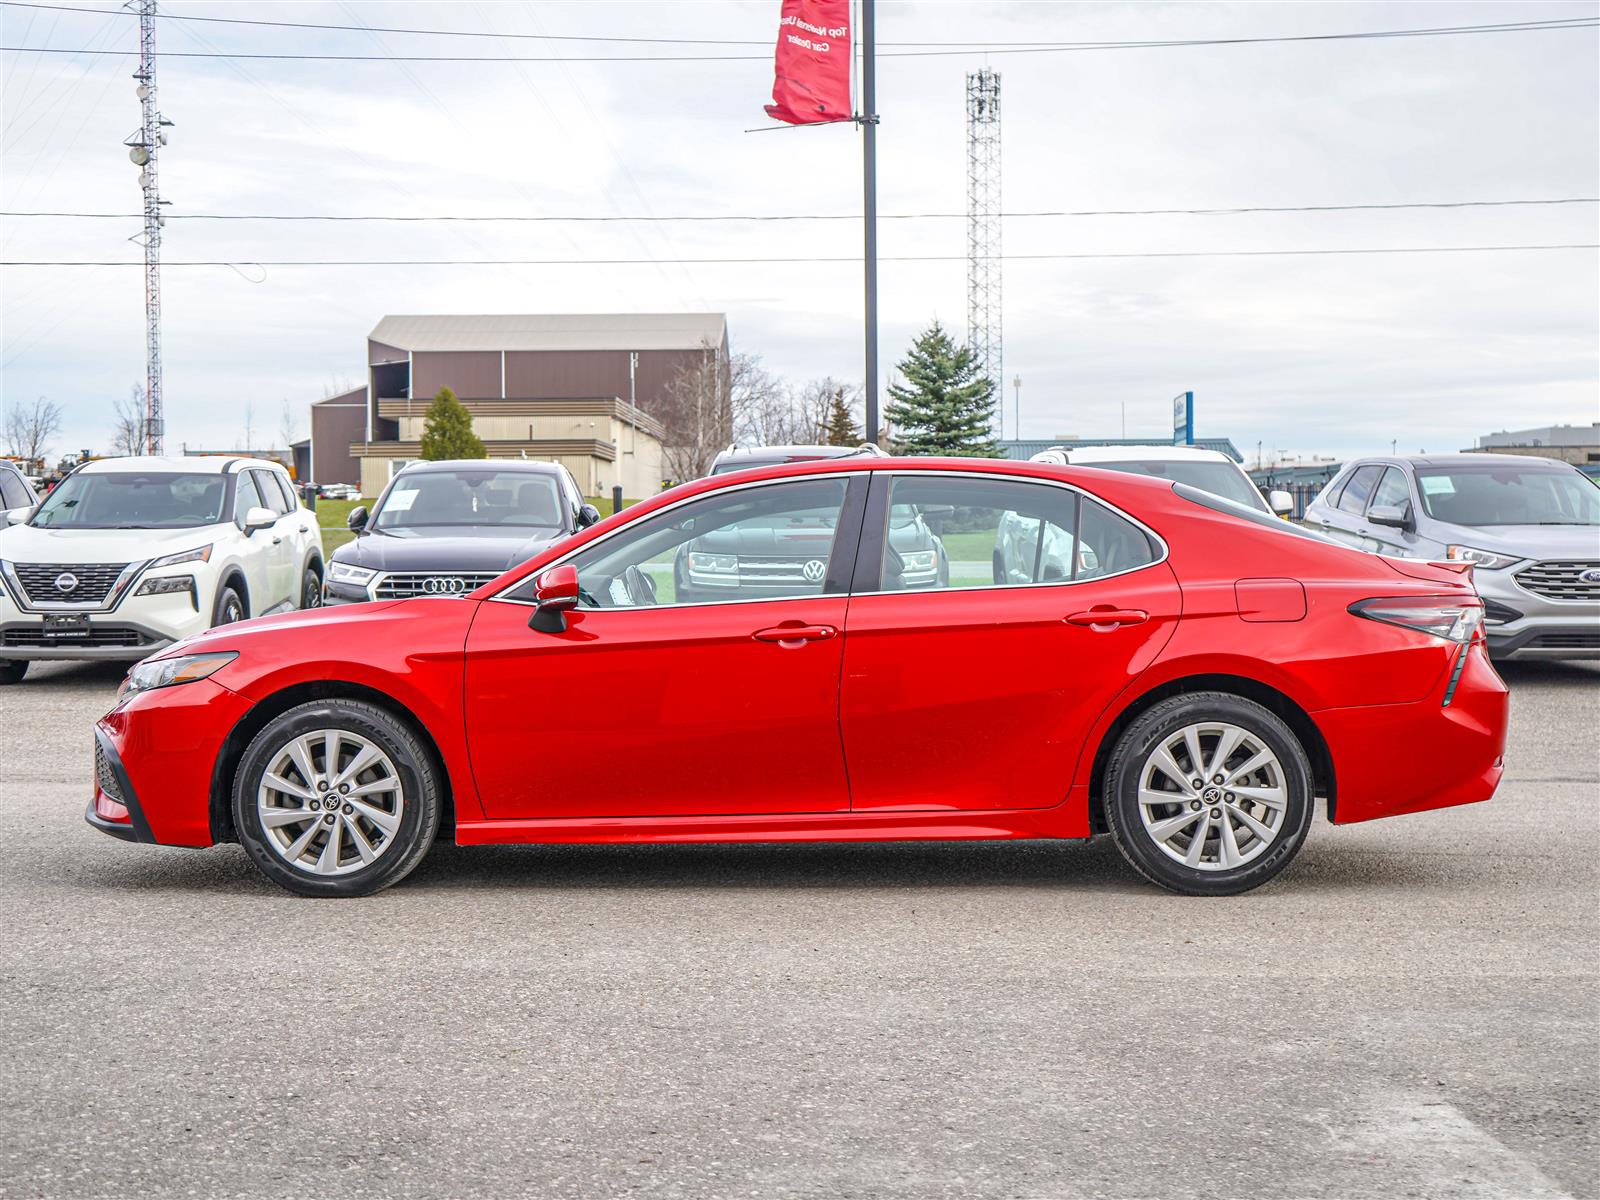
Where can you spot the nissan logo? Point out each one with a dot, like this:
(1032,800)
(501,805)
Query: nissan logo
(444,585)
(1592,575)
(814,570)
(66,582)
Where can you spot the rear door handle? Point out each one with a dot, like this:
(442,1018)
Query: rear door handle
(794,635)
(1109,618)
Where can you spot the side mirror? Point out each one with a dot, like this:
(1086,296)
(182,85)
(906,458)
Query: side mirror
(357,520)
(554,593)
(259,518)
(16,516)
(1391,515)
(1280,501)
(588,515)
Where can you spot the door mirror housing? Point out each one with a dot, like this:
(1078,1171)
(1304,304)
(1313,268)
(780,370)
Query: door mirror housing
(1391,515)
(588,515)
(357,520)
(16,516)
(259,518)
(554,593)
(1280,501)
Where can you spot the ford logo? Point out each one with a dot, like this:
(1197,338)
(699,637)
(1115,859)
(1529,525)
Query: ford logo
(1592,575)
(814,570)
(66,582)
(444,585)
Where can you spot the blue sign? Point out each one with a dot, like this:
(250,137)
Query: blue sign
(1183,419)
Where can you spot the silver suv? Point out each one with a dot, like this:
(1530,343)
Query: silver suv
(1530,527)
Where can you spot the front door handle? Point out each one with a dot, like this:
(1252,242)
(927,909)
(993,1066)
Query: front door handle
(795,635)
(278,541)
(1109,618)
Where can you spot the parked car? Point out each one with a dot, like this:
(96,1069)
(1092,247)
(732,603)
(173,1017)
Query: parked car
(744,458)
(128,555)
(17,493)
(442,529)
(338,491)
(1209,470)
(1215,675)
(1529,526)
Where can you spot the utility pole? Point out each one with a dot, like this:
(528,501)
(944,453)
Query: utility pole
(869,207)
(144,151)
(983,231)
(1017,384)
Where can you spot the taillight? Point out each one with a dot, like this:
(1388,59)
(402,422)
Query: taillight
(1453,618)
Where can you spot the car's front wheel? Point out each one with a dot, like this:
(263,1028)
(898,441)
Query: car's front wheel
(336,798)
(311,589)
(12,670)
(1208,794)
(229,607)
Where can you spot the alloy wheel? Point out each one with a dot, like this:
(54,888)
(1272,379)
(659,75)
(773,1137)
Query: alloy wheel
(1213,796)
(330,802)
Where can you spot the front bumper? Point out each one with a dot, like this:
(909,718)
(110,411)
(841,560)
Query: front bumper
(1523,625)
(136,628)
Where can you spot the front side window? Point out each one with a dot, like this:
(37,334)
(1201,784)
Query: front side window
(246,496)
(763,543)
(272,496)
(1359,490)
(134,500)
(1391,490)
(956,533)
(1494,494)
(484,500)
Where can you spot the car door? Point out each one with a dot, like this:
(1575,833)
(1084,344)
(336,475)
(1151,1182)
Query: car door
(965,694)
(257,555)
(1394,491)
(1345,520)
(650,705)
(283,541)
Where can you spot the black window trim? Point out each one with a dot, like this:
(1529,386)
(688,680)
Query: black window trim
(1355,470)
(1405,481)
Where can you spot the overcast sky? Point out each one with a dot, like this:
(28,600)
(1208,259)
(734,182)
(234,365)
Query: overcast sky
(1337,355)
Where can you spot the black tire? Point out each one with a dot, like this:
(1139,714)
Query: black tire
(12,670)
(419,815)
(310,588)
(999,567)
(1153,729)
(229,606)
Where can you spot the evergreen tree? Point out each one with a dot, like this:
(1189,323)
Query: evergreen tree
(945,404)
(838,427)
(447,430)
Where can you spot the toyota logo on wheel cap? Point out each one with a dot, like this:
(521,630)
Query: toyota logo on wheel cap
(444,585)
(66,582)
(814,570)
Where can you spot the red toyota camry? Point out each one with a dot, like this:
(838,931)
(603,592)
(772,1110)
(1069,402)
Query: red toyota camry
(851,650)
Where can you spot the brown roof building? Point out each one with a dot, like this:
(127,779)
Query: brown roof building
(589,391)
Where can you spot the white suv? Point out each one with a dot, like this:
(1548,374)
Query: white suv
(128,555)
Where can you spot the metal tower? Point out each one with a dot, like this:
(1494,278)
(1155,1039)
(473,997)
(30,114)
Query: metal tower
(983,227)
(145,146)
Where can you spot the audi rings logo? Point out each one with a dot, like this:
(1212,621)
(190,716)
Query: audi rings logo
(1592,575)
(66,582)
(814,570)
(444,585)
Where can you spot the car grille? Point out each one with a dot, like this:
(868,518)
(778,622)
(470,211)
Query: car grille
(777,570)
(99,635)
(431,583)
(104,775)
(1560,580)
(95,581)
(1565,641)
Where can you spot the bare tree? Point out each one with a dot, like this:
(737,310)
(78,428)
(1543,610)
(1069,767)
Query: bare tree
(697,415)
(819,403)
(127,424)
(764,409)
(288,427)
(28,430)
(249,427)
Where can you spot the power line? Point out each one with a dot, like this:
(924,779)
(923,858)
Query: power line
(955,47)
(1051,48)
(792,261)
(776,217)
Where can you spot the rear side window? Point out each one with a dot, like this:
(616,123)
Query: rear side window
(1109,544)
(1359,489)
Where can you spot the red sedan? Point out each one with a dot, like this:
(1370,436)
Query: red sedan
(860,649)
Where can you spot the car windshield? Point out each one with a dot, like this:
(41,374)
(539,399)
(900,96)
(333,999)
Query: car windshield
(434,499)
(134,500)
(1495,494)
(1218,478)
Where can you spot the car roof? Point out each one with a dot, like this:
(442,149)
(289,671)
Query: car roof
(531,466)
(1152,453)
(199,464)
(1465,459)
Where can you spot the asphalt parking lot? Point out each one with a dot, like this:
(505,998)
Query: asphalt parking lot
(1411,1009)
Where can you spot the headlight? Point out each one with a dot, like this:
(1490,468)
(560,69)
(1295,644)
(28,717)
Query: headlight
(716,564)
(166,586)
(339,572)
(918,560)
(1486,559)
(202,554)
(169,672)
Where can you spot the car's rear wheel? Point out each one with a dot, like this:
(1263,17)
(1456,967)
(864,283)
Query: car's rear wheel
(229,607)
(311,589)
(12,670)
(336,798)
(1208,794)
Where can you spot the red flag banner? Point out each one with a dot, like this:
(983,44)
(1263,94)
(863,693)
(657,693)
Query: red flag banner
(812,82)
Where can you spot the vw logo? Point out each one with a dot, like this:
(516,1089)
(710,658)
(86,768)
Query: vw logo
(66,582)
(1592,575)
(444,585)
(814,570)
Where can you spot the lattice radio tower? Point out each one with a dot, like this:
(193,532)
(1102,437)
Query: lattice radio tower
(983,227)
(144,150)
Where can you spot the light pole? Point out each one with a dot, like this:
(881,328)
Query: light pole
(1016,383)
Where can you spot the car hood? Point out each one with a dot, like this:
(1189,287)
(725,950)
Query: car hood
(30,544)
(1527,541)
(447,550)
(239,634)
